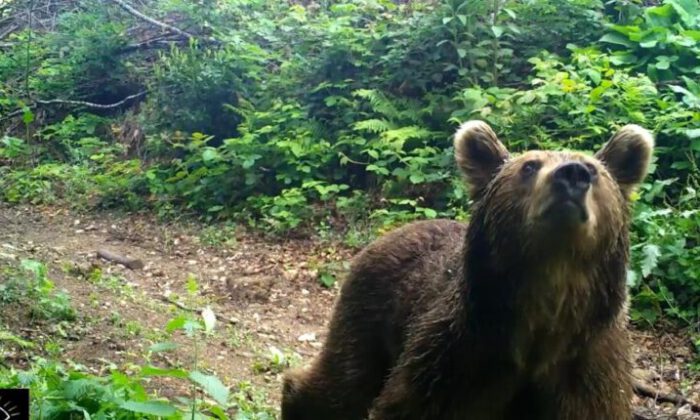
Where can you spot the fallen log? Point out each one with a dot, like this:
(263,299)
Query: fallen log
(131,263)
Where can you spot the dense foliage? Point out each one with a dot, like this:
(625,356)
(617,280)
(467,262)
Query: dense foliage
(336,116)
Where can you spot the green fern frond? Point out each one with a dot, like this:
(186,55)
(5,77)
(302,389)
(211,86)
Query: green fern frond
(373,125)
(406,133)
(379,102)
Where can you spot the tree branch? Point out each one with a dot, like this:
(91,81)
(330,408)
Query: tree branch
(72,102)
(648,392)
(91,104)
(12,114)
(152,21)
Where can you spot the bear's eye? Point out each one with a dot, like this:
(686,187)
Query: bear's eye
(593,170)
(530,167)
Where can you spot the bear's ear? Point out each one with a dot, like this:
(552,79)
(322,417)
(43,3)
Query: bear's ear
(479,154)
(627,155)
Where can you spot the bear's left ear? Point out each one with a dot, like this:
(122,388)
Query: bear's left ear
(479,154)
(627,155)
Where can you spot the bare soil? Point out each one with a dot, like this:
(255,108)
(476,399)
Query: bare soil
(266,293)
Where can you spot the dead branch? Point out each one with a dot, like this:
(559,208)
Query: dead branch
(72,102)
(646,391)
(91,104)
(152,21)
(8,31)
(131,263)
(12,114)
(180,305)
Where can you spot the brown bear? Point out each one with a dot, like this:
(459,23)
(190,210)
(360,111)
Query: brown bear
(519,314)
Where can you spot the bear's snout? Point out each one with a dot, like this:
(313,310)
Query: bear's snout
(572,180)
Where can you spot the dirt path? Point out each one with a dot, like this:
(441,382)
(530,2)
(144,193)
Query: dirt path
(269,290)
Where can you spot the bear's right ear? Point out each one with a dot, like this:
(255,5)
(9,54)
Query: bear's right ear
(479,154)
(627,155)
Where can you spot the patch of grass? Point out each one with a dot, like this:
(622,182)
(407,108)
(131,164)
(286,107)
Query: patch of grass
(251,403)
(219,235)
(274,361)
(30,285)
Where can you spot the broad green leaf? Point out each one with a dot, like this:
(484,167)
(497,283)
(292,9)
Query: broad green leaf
(156,371)
(688,10)
(210,154)
(176,323)
(326,279)
(623,58)
(692,133)
(663,64)
(416,178)
(497,30)
(212,386)
(618,39)
(651,257)
(153,408)
(164,346)
(27,115)
(430,213)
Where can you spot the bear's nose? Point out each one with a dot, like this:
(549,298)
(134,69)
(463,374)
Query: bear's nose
(572,179)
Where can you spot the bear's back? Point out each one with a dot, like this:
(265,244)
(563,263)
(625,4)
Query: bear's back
(402,274)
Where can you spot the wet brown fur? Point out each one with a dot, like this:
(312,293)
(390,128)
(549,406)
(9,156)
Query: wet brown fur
(507,318)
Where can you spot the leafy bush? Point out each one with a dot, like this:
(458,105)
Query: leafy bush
(663,41)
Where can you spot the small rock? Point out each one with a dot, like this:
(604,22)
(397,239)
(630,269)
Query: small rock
(307,337)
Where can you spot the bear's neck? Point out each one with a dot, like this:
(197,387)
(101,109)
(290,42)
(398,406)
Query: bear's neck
(521,302)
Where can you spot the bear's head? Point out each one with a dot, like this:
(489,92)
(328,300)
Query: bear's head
(544,204)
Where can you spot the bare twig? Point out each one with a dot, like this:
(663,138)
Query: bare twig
(152,21)
(8,31)
(71,102)
(91,104)
(166,299)
(12,114)
(646,391)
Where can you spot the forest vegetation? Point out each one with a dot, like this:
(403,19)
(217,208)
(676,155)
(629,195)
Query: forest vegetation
(328,120)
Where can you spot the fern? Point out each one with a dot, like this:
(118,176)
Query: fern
(406,133)
(379,103)
(374,125)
